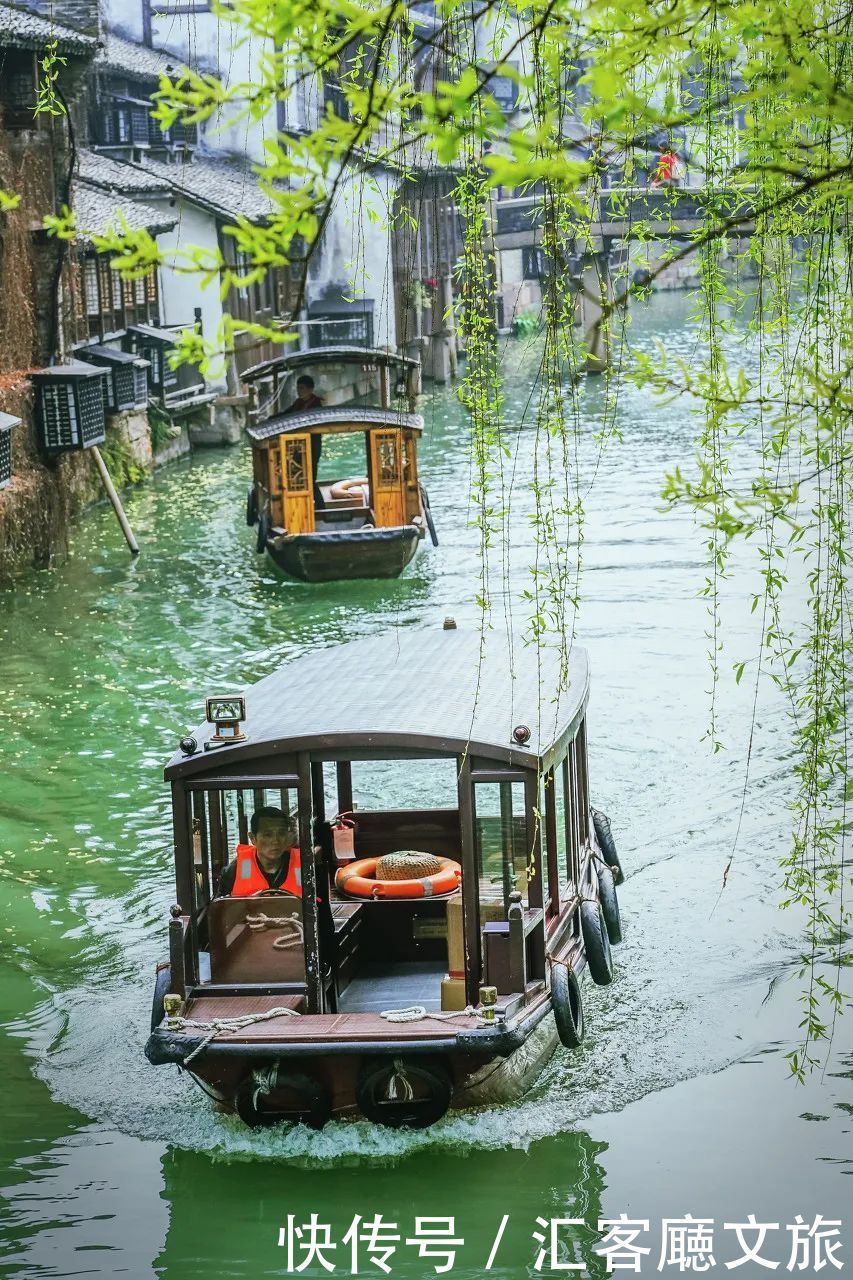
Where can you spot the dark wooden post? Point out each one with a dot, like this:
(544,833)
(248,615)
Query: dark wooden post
(533,827)
(470,884)
(343,773)
(318,790)
(184,870)
(310,921)
(507,842)
(551,842)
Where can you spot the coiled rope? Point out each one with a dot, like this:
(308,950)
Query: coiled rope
(261,921)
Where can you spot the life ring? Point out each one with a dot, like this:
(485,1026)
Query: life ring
(607,844)
(405,1093)
(567,1004)
(596,944)
(359,880)
(311,1100)
(609,903)
(347,488)
(162,985)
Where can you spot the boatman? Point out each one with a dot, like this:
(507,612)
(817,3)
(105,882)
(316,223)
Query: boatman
(272,860)
(306,400)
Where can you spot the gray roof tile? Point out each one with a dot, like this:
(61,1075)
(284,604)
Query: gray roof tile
(98,212)
(98,170)
(22,29)
(140,62)
(228,187)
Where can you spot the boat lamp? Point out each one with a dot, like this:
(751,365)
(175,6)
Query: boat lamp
(521,734)
(226,712)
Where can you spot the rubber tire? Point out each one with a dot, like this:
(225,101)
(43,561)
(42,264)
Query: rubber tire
(251,508)
(162,983)
(263,533)
(420,1113)
(567,1004)
(317,1111)
(596,944)
(430,523)
(609,904)
(607,844)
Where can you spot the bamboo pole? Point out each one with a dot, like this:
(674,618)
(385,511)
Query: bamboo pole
(115,500)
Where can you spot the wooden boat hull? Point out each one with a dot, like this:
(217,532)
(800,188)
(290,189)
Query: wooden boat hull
(359,553)
(479,1078)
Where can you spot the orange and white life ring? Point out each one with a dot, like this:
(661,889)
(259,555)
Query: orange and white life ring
(359,880)
(355,487)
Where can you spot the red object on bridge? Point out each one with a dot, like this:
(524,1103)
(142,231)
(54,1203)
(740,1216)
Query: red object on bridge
(665,171)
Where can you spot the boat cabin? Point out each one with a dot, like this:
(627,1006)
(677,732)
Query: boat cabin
(411,741)
(336,491)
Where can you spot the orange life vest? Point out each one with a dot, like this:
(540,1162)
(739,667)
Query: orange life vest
(250,877)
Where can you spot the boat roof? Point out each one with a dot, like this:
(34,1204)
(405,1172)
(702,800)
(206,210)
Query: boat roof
(329,355)
(357,417)
(405,693)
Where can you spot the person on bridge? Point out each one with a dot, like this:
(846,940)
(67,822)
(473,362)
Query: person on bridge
(665,171)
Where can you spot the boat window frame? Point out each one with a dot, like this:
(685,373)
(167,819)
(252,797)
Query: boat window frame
(188,905)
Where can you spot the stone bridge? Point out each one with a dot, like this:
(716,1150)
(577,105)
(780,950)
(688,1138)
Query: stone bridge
(622,213)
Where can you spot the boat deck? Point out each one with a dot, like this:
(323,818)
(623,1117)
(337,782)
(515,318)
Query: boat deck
(321,1028)
(394,986)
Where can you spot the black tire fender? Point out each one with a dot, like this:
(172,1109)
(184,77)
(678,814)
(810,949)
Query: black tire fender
(609,903)
(263,532)
(251,507)
(567,1004)
(375,1079)
(606,843)
(430,523)
(596,944)
(162,984)
(313,1101)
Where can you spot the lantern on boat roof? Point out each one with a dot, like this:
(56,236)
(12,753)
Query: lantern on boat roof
(227,712)
(127,385)
(7,422)
(70,406)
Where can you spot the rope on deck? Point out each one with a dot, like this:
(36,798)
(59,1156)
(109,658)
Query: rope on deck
(218,1025)
(419,1013)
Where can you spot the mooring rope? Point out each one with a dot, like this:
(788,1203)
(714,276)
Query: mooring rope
(218,1025)
(419,1013)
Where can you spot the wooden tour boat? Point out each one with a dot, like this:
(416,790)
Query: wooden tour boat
(362,525)
(363,994)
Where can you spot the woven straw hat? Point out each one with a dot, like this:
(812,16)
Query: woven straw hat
(408,864)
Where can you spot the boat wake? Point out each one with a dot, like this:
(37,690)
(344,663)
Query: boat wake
(682,1005)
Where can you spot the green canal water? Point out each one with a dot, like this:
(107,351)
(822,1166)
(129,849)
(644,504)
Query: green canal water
(679,1101)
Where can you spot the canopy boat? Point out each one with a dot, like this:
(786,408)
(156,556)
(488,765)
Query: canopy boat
(361,993)
(324,527)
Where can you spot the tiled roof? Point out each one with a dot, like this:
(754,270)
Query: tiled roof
(229,188)
(99,212)
(22,29)
(138,61)
(98,170)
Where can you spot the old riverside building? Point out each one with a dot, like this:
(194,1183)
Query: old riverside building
(96,150)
